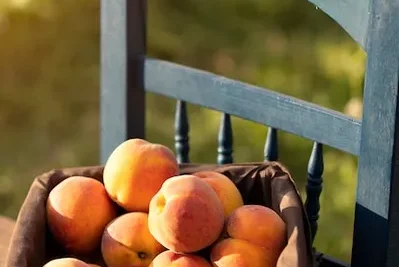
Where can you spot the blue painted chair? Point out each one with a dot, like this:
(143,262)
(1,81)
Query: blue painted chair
(127,74)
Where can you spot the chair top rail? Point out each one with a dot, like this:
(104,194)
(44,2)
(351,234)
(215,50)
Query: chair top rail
(253,103)
(351,15)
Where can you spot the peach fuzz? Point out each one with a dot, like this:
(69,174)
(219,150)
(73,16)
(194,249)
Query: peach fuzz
(136,170)
(240,253)
(127,241)
(186,215)
(78,210)
(66,262)
(170,258)
(226,190)
(259,225)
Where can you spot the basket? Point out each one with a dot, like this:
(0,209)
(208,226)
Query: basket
(264,183)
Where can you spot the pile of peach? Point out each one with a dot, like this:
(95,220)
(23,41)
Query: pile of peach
(167,219)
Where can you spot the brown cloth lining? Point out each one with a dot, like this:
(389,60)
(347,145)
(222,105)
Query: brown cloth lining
(266,183)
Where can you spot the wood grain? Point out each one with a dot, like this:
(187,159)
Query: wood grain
(376,229)
(253,103)
(351,15)
(123,29)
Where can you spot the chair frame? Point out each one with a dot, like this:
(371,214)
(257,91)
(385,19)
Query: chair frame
(127,74)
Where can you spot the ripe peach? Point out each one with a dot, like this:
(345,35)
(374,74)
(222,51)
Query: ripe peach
(240,253)
(170,258)
(136,170)
(127,241)
(78,209)
(259,225)
(225,189)
(66,262)
(186,215)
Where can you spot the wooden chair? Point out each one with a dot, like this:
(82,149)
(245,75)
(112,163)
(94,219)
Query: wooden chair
(127,74)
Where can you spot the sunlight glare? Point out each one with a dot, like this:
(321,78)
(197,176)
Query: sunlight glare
(20,3)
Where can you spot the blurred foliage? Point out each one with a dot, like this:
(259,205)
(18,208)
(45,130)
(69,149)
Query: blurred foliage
(49,88)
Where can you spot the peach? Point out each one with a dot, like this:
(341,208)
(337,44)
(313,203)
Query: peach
(186,215)
(240,253)
(66,262)
(127,241)
(259,225)
(170,258)
(78,210)
(136,170)
(225,189)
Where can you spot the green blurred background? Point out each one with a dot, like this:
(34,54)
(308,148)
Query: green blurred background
(49,88)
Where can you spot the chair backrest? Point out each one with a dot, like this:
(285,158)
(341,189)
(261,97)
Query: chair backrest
(126,74)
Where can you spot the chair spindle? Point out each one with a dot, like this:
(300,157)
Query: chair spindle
(271,145)
(181,133)
(225,141)
(314,186)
